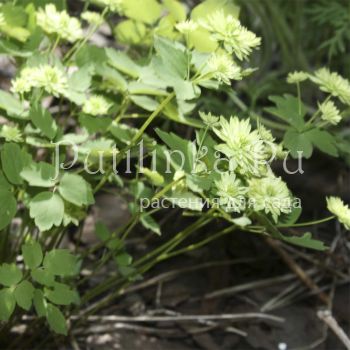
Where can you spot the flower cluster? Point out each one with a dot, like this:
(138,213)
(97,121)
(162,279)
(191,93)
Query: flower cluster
(59,23)
(96,105)
(93,18)
(186,27)
(270,194)
(297,77)
(49,78)
(242,145)
(112,5)
(231,192)
(332,83)
(224,68)
(209,119)
(342,211)
(11,133)
(249,183)
(330,113)
(228,30)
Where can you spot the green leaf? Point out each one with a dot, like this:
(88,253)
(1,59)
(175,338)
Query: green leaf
(185,90)
(18,33)
(209,6)
(176,8)
(14,15)
(40,174)
(186,200)
(4,184)
(47,210)
(287,108)
(306,241)
(24,293)
(8,207)
(291,218)
(93,124)
(123,259)
(61,294)
(43,120)
(74,189)
(202,40)
(81,79)
(173,57)
(32,254)
(324,141)
(102,231)
(123,62)
(10,48)
(179,146)
(138,88)
(39,303)
(147,11)
(7,304)
(150,224)
(56,319)
(10,275)
(145,102)
(298,142)
(44,277)
(61,262)
(10,104)
(131,32)
(12,162)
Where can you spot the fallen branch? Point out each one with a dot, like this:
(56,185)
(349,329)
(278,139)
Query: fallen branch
(184,318)
(326,317)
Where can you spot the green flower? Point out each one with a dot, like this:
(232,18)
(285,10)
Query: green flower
(93,18)
(186,27)
(11,133)
(332,83)
(297,77)
(229,31)
(242,145)
(96,105)
(112,5)
(50,78)
(209,119)
(231,193)
(342,211)
(154,177)
(271,195)
(59,23)
(330,112)
(224,68)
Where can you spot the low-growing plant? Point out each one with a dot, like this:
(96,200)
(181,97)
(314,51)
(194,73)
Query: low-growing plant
(79,119)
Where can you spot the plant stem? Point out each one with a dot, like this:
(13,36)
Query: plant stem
(155,254)
(308,223)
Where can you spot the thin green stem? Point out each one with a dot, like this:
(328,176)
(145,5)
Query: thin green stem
(299,97)
(166,188)
(308,223)
(200,244)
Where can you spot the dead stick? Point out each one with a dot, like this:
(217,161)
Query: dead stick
(298,270)
(326,317)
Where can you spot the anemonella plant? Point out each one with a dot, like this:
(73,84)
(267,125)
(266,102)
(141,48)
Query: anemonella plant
(105,102)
